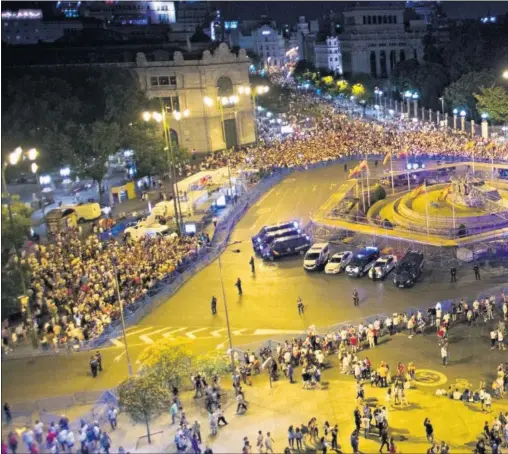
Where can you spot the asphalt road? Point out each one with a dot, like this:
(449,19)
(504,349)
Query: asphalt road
(266,310)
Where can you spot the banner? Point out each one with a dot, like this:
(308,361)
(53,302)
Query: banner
(388,156)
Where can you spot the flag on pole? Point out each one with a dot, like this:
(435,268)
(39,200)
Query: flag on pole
(363,165)
(470,145)
(354,172)
(387,157)
(490,146)
(446,191)
(403,153)
(419,190)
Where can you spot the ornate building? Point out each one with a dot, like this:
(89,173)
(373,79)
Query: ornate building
(219,115)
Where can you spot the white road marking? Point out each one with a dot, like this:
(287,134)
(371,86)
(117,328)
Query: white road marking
(146,339)
(139,331)
(116,342)
(174,331)
(332,186)
(264,332)
(239,332)
(314,188)
(221,346)
(117,358)
(216,333)
(190,334)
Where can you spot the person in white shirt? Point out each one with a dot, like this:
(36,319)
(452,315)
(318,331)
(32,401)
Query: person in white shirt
(493,338)
(69,441)
(38,430)
(444,355)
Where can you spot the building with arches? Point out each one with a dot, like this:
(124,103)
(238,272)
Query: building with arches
(376,38)
(219,115)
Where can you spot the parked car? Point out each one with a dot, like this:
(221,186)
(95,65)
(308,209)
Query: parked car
(338,262)
(362,261)
(289,245)
(382,267)
(409,269)
(316,257)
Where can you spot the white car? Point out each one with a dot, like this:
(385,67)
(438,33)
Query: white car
(316,256)
(138,231)
(382,267)
(338,262)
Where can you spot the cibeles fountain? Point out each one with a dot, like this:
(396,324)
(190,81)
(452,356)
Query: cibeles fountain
(467,207)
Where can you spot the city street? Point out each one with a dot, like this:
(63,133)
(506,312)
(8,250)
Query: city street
(267,309)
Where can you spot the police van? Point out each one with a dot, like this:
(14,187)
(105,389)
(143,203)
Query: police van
(288,245)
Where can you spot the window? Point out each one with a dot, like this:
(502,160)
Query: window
(374,19)
(154,81)
(171,103)
(164,80)
(172,80)
(364,20)
(394,19)
(369,20)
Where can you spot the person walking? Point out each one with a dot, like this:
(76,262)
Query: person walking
(259,441)
(214,305)
(453,274)
(429,430)
(252,266)
(290,373)
(238,285)
(98,358)
(268,443)
(299,304)
(7,413)
(476,270)
(384,440)
(335,434)
(355,441)
(444,354)
(112,417)
(356,298)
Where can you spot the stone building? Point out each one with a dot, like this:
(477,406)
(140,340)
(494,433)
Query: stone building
(376,38)
(328,56)
(219,116)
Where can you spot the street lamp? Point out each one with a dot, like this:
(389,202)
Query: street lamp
(13,159)
(161,117)
(505,74)
(415,103)
(455,112)
(463,120)
(408,95)
(485,125)
(442,104)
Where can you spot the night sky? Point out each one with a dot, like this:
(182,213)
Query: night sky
(289,11)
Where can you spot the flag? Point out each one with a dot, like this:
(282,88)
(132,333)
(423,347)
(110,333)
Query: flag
(420,189)
(388,156)
(403,153)
(446,191)
(470,145)
(363,165)
(355,171)
(490,146)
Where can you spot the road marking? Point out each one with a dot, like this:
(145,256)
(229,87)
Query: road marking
(220,346)
(139,331)
(264,332)
(314,188)
(190,334)
(332,186)
(239,332)
(117,358)
(428,377)
(116,342)
(174,331)
(146,339)
(216,333)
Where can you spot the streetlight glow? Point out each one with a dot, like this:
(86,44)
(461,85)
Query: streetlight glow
(505,74)
(177,115)
(485,115)
(34,167)
(224,100)
(32,154)
(208,101)
(233,99)
(455,111)
(415,95)
(15,156)
(157,116)
(65,172)
(186,113)
(462,113)
(147,116)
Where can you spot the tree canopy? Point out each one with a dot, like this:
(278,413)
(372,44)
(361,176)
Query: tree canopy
(494,101)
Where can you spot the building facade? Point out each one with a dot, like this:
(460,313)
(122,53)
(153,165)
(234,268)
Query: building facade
(219,115)
(270,45)
(144,13)
(375,39)
(328,56)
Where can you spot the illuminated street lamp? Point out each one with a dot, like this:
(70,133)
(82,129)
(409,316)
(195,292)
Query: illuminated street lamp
(408,95)
(13,160)
(485,125)
(455,112)
(415,103)
(505,74)
(463,120)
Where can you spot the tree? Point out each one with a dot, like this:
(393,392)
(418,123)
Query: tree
(143,398)
(461,92)
(494,101)
(342,86)
(211,364)
(15,234)
(358,91)
(302,67)
(169,363)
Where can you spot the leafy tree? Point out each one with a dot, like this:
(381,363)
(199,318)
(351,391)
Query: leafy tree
(461,92)
(302,67)
(143,398)
(342,86)
(15,234)
(358,91)
(169,363)
(494,101)
(213,363)
(327,80)
(432,53)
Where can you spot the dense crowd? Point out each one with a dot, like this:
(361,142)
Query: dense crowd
(72,284)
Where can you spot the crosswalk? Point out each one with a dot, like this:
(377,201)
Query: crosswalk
(150,334)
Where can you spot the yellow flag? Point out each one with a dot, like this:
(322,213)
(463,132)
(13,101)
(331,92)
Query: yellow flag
(387,157)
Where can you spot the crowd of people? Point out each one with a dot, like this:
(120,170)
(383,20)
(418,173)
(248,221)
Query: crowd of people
(61,438)
(72,287)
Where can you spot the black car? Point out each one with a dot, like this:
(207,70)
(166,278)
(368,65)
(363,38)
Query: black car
(288,245)
(256,239)
(409,269)
(263,242)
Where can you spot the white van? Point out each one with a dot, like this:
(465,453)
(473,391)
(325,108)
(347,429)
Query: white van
(139,231)
(316,257)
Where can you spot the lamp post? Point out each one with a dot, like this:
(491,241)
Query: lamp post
(34,168)
(485,125)
(161,117)
(463,120)
(408,96)
(505,74)
(442,104)
(254,92)
(455,112)
(415,104)
(13,159)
